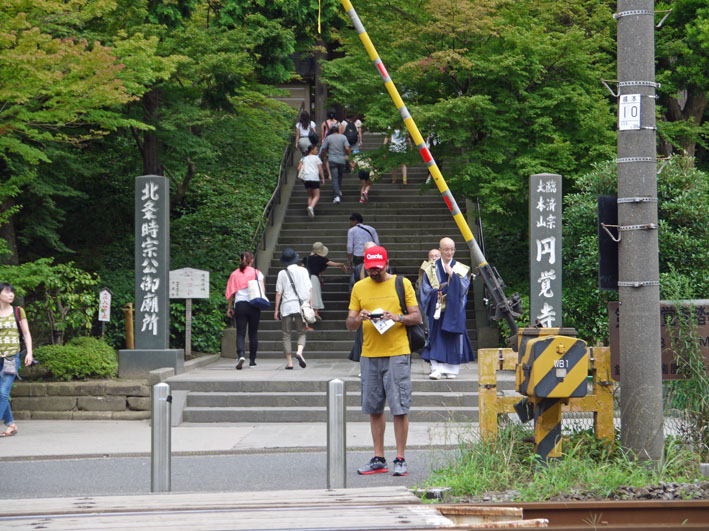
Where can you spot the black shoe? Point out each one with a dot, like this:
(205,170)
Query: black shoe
(252,363)
(301,361)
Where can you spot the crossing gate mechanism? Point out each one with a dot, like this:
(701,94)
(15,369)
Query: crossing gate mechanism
(552,363)
(548,366)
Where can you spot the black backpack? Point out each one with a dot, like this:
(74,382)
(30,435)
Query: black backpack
(351,133)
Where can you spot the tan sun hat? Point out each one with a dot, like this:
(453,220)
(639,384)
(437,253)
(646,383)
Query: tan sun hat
(319,249)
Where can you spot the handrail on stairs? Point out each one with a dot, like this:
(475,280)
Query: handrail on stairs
(267,214)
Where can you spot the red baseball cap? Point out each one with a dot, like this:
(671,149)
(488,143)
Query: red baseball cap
(375,258)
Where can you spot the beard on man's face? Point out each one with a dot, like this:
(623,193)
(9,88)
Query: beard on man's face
(377,275)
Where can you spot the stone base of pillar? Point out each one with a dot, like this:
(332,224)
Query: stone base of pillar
(138,363)
(229,343)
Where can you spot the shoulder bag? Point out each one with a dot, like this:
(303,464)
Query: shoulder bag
(257,298)
(23,347)
(415,333)
(306,311)
(313,136)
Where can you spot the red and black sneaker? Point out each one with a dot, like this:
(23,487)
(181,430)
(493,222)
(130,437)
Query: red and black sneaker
(376,465)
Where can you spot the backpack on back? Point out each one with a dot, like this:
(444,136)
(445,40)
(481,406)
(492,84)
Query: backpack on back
(351,133)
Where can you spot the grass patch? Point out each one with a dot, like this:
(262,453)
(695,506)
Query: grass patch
(588,468)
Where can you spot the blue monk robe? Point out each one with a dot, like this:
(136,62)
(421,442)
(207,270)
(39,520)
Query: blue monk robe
(448,341)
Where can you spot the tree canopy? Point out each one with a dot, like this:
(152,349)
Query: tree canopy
(95,92)
(508,88)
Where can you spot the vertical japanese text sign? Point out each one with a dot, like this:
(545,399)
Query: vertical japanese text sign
(104,305)
(152,262)
(545,249)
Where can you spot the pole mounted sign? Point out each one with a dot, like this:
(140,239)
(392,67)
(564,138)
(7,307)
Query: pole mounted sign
(188,284)
(629,112)
(104,305)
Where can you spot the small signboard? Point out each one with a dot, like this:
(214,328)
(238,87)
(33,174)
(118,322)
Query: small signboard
(629,112)
(189,283)
(668,313)
(104,305)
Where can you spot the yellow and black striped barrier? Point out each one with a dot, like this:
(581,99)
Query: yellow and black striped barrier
(547,412)
(552,363)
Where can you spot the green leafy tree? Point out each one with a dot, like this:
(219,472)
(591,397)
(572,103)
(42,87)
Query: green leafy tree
(509,88)
(60,86)
(683,212)
(61,295)
(682,52)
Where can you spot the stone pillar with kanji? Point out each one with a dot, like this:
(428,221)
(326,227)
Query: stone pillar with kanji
(152,270)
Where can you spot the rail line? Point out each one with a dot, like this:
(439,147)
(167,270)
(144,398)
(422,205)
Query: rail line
(621,515)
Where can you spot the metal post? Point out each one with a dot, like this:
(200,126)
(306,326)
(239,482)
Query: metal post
(336,435)
(160,448)
(638,260)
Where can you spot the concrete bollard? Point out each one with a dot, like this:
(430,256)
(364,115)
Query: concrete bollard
(160,442)
(336,435)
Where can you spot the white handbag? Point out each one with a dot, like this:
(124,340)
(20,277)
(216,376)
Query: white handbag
(256,295)
(306,311)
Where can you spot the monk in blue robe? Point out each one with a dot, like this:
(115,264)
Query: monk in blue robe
(444,294)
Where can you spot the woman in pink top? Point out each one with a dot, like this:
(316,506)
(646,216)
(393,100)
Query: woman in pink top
(244,314)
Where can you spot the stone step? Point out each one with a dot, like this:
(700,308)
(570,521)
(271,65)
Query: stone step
(302,399)
(318,414)
(505,382)
(400,245)
(337,231)
(334,322)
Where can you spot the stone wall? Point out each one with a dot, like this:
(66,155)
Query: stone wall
(92,400)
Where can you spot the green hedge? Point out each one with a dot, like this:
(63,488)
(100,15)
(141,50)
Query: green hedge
(81,358)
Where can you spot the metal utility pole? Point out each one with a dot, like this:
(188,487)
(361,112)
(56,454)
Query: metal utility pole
(638,261)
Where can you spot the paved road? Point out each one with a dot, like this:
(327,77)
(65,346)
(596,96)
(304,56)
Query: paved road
(298,470)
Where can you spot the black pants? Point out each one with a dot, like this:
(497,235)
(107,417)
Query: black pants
(245,314)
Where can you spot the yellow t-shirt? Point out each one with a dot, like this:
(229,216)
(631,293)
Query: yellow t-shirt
(370,295)
(9,334)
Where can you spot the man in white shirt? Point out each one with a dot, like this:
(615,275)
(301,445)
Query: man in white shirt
(357,236)
(293,287)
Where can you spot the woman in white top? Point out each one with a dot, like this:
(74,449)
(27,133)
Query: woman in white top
(302,130)
(310,171)
(293,287)
(240,309)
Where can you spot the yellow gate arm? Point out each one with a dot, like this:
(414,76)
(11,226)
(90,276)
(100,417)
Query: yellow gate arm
(504,307)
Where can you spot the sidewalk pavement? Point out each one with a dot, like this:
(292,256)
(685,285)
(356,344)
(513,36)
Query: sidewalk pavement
(86,438)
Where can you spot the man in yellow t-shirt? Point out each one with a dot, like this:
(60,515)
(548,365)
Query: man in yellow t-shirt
(386,356)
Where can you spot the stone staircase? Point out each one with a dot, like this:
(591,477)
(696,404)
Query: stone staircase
(410,219)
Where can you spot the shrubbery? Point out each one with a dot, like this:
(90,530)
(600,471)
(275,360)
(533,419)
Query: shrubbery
(683,212)
(80,358)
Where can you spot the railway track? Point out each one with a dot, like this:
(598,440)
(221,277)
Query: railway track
(621,515)
(390,508)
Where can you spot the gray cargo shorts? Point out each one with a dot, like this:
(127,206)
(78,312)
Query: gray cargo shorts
(386,379)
